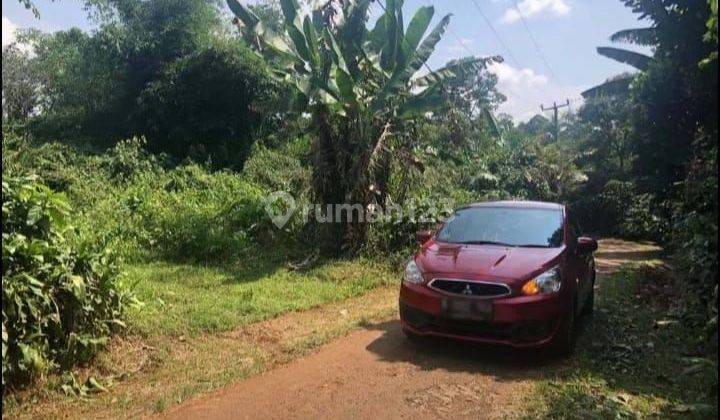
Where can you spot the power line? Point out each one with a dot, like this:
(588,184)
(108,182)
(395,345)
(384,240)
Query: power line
(460,41)
(497,35)
(534,41)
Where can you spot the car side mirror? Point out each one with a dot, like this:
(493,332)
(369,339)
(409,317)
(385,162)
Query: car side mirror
(423,236)
(586,245)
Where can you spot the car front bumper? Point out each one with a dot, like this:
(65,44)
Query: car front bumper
(518,321)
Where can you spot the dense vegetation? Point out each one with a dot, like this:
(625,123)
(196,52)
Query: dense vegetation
(61,298)
(165,128)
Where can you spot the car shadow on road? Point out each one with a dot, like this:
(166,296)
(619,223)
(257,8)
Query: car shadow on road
(505,363)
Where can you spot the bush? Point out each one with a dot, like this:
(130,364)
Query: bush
(56,162)
(61,298)
(128,200)
(185,213)
(128,158)
(193,214)
(620,210)
(694,235)
(396,233)
(281,169)
(208,105)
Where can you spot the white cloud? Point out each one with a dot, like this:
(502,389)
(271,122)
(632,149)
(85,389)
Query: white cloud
(452,49)
(532,8)
(526,90)
(8,31)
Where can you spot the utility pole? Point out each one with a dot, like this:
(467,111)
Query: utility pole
(556,124)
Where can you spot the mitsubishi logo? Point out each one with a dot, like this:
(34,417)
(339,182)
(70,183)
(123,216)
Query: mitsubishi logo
(467,291)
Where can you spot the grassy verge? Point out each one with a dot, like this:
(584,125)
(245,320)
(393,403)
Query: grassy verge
(638,357)
(203,327)
(191,299)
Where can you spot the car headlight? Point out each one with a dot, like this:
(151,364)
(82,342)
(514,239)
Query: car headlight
(547,282)
(412,273)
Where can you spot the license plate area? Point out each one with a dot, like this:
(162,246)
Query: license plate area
(469,309)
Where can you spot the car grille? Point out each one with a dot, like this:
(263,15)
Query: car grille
(470,288)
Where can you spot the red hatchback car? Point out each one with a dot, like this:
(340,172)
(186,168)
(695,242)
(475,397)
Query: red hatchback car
(507,272)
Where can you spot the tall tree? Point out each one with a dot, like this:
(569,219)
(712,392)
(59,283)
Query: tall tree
(20,88)
(672,96)
(357,84)
(141,73)
(602,135)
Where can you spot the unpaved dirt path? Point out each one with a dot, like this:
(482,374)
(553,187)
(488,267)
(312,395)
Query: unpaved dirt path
(375,373)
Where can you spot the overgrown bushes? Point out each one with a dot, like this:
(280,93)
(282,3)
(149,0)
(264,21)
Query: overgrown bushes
(208,106)
(61,294)
(134,203)
(61,298)
(184,214)
(694,234)
(619,210)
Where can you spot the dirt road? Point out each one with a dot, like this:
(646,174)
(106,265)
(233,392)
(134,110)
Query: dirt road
(376,373)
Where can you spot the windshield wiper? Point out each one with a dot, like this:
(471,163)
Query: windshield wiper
(532,246)
(484,243)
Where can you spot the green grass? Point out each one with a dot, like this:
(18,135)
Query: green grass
(633,358)
(184,299)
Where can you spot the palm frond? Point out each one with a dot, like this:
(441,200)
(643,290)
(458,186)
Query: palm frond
(456,68)
(635,59)
(638,36)
(613,87)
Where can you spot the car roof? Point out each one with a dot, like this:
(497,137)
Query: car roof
(517,204)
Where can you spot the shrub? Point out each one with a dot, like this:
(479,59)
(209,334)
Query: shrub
(61,298)
(54,162)
(208,105)
(129,201)
(620,210)
(186,213)
(395,235)
(282,168)
(192,214)
(127,158)
(694,236)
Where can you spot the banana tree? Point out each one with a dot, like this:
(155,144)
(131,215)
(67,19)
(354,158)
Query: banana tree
(620,84)
(361,88)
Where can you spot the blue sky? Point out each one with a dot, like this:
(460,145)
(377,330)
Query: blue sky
(566,31)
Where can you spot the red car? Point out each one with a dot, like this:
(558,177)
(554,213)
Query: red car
(507,272)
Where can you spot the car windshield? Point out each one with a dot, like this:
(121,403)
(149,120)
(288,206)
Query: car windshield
(504,226)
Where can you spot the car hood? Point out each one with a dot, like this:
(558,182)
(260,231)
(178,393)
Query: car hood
(485,262)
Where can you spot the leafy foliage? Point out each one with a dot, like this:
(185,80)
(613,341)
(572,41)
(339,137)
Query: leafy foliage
(695,230)
(637,60)
(670,134)
(20,90)
(207,106)
(129,201)
(357,86)
(639,36)
(341,114)
(61,298)
(165,69)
